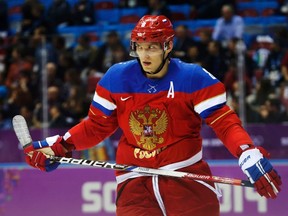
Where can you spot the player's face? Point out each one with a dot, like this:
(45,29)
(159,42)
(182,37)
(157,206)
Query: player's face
(150,55)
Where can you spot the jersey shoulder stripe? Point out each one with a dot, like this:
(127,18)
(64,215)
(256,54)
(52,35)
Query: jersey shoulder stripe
(211,102)
(103,104)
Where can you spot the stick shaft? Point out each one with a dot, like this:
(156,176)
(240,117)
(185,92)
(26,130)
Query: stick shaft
(151,171)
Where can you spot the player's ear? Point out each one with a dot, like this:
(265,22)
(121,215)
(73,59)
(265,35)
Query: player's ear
(170,46)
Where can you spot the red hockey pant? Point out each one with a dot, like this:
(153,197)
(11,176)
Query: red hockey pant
(178,197)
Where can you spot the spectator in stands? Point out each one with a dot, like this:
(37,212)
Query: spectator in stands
(52,79)
(10,43)
(27,113)
(59,14)
(56,117)
(270,111)
(182,42)
(20,94)
(158,7)
(207,9)
(54,95)
(252,116)
(74,105)
(214,61)
(261,53)
(263,91)
(83,13)
(54,99)
(231,57)
(90,77)
(204,39)
(38,42)
(193,55)
(272,67)
(109,51)
(58,42)
(33,16)
(4,24)
(84,53)
(119,54)
(65,62)
(19,63)
(228,26)
(71,78)
(231,81)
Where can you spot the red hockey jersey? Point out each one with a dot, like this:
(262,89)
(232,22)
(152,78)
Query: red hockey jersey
(161,119)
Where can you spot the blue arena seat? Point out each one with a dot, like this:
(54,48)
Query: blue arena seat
(106,16)
(72,33)
(180,12)
(259,6)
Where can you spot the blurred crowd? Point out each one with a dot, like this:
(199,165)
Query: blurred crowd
(37,56)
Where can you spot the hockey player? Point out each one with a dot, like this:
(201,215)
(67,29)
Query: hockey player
(159,103)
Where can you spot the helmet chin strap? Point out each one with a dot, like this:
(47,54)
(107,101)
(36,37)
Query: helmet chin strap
(160,66)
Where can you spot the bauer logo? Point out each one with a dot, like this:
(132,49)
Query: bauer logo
(244,161)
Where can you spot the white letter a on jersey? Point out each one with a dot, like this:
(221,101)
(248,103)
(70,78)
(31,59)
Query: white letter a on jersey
(171,90)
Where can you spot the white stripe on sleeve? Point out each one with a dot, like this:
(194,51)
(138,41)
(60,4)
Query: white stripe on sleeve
(103,102)
(204,105)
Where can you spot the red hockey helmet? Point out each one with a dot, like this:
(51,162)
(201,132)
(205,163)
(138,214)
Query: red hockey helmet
(152,28)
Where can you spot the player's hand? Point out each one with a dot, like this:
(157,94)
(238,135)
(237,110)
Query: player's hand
(256,166)
(37,154)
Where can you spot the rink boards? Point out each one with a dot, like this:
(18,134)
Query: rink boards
(77,191)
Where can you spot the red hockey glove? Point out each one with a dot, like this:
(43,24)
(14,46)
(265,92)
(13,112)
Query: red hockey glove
(254,163)
(38,151)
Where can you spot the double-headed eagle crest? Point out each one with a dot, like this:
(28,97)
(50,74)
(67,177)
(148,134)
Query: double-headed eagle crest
(147,125)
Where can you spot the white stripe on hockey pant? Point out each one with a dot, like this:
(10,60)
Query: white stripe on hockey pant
(157,194)
(173,166)
(216,190)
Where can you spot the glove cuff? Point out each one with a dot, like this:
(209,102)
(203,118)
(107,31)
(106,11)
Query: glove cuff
(243,148)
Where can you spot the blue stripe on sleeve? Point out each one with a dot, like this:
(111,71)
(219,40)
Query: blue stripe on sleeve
(102,109)
(207,112)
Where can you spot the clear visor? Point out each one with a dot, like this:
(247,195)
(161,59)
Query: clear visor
(146,49)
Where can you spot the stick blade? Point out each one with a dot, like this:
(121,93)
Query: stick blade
(21,130)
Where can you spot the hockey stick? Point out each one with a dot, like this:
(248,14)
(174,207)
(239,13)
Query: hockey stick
(24,137)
